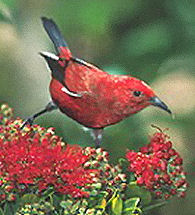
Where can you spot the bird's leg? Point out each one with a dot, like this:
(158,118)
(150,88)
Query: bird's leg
(97,136)
(49,107)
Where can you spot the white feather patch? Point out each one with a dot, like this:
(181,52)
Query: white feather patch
(50,55)
(65,90)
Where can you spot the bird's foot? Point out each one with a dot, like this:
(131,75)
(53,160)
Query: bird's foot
(29,121)
(97,145)
(49,107)
(97,136)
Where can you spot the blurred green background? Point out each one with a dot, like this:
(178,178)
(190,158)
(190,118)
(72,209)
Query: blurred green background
(151,39)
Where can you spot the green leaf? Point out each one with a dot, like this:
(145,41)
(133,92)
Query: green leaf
(132,202)
(132,211)
(102,205)
(66,204)
(1,211)
(76,206)
(103,194)
(101,201)
(29,198)
(48,194)
(48,191)
(131,206)
(56,200)
(136,191)
(113,196)
(117,205)
(122,161)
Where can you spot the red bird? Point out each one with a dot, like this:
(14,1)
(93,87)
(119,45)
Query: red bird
(89,95)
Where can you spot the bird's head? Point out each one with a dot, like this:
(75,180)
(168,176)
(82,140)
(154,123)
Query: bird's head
(141,96)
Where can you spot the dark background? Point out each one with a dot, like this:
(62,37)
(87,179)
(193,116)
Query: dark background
(153,40)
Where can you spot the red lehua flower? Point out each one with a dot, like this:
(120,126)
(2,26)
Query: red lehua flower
(37,158)
(158,167)
(34,158)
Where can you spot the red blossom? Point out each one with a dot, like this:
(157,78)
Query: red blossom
(36,157)
(158,167)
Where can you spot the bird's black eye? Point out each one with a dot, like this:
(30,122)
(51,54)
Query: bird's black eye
(137,93)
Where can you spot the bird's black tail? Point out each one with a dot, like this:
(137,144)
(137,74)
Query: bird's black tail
(54,33)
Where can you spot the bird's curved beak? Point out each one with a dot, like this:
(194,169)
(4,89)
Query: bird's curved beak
(158,103)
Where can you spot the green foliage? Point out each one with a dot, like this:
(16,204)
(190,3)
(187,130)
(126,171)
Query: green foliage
(133,190)
(32,204)
(117,205)
(131,206)
(29,199)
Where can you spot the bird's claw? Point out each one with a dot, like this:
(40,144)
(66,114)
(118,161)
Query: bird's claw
(29,121)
